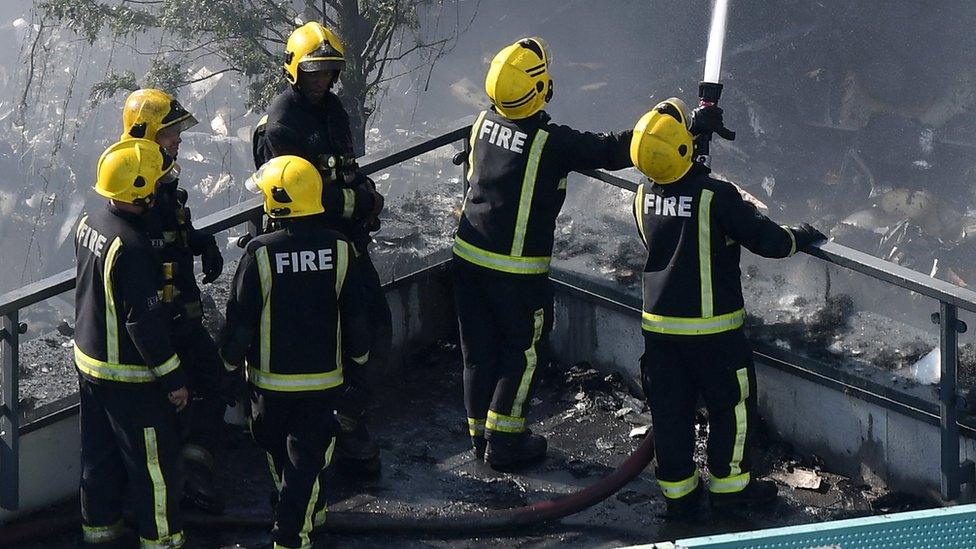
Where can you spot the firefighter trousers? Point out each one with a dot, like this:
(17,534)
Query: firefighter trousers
(129,434)
(203,420)
(675,372)
(361,378)
(504,323)
(298,435)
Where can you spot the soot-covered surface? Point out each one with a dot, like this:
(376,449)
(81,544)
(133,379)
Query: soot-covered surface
(588,417)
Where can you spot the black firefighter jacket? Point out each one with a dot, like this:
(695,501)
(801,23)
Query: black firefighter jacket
(178,242)
(517,173)
(315,132)
(296,310)
(121,328)
(694,229)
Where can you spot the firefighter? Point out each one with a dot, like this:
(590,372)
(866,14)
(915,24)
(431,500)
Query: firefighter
(519,162)
(130,381)
(308,120)
(694,227)
(156,115)
(296,315)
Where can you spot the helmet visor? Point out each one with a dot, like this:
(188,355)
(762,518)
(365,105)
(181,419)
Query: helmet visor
(170,175)
(253,183)
(178,118)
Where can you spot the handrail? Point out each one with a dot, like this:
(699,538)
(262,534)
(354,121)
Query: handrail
(858,261)
(64,281)
(949,295)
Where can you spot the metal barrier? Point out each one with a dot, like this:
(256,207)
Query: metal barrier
(951,298)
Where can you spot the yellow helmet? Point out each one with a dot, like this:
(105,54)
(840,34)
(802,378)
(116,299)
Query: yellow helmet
(129,171)
(147,111)
(311,48)
(518,81)
(662,146)
(291,186)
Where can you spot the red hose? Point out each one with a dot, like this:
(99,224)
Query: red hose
(376,523)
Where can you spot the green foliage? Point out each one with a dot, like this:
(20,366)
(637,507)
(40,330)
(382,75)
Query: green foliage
(113,83)
(166,75)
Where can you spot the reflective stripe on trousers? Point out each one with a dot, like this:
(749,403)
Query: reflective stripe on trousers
(503,423)
(680,488)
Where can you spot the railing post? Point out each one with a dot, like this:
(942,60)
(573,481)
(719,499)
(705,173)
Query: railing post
(948,427)
(254,225)
(9,411)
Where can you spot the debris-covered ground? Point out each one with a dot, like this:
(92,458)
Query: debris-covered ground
(593,424)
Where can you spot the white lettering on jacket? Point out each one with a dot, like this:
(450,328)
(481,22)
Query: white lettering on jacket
(503,136)
(303,261)
(671,206)
(89,238)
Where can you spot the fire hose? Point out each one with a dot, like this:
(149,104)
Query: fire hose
(346,522)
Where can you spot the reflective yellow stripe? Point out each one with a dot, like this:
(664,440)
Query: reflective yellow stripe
(503,423)
(348,203)
(127,373)
(294,382)
(262,122)
(692,326)
(171,364)
(741,423)
(792,239)
(274,471)
(264,273)
(342,265)
(727,485)
(474,137)
(361,359)
(531,361)
(705,252)
(476,427)
(158,483)
(169,542)
(681,488)
(319,518)
(639,211)
(528,191)
(111,316)
(500,262)
(102,534)
(562,185)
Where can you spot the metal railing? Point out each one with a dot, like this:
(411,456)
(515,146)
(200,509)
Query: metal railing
(950,297)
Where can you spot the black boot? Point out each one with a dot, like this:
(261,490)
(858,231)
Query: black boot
(355,451)
(756,493)
(686,506)
(478,447)
(199,490)
(512,451)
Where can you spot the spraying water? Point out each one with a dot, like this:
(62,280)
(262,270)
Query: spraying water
(716,41)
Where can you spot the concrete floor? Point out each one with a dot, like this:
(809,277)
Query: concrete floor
(428,470)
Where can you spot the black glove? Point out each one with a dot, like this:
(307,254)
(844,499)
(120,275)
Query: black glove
(806,234)
(710,120)
(213,262)
(372,220)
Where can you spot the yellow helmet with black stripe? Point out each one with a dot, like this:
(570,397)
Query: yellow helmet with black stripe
(312,48)
(148,111)
(291,186)
(128,171)
(662,147)
(518,81)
